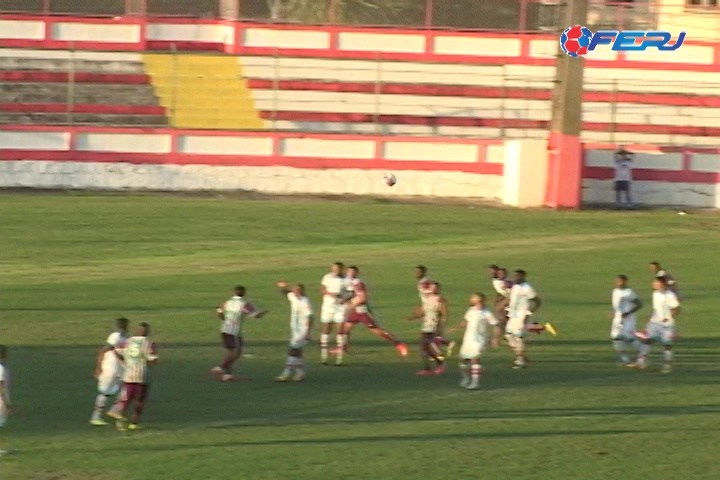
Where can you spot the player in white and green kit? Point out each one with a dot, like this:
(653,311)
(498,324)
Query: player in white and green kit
(479,319)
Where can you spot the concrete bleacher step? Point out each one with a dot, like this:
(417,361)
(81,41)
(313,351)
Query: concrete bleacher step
(85,93)
(61,65)
(25,118)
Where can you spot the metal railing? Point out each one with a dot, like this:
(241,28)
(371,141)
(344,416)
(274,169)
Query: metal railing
(369,96)
(512,15)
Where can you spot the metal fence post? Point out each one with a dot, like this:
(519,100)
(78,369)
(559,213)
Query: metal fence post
(613,110)
(70,103)
(378,91)
(174,76)
(429,10)
(503,97)
(275,88)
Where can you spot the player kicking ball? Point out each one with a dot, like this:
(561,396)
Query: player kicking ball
(433,315)
(108,370)
(479,319)
(360,313)
(301,319)
(625,304)
(661,327)
(139,354)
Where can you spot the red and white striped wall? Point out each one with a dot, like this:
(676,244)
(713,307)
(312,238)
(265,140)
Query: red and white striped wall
(128,33)
(286,163)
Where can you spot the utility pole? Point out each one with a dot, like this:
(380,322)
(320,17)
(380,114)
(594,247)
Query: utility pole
(564,185)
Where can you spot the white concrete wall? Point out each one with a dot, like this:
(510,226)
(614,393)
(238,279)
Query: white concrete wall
(277,180)
(703,195)
(85,32)
(177,32)
(22,29)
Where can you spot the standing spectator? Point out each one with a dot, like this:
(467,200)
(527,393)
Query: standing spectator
(623,177)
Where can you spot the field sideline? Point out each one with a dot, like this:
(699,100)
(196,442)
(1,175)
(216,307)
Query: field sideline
(71,263)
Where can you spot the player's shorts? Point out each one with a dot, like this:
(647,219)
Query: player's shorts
(365,318)
(231,342)
(471,350)
(108,384)
(134,391)
(622,186)
(516,325)
(332,313)
(623,328)
(660,332)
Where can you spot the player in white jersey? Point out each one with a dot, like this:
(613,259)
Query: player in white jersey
(432,319)
(479,318)
(661,327)
(4,391)
(138,354)
(109,370)
(625,304)
(233,313)
(301,320)
(659,272)
(332,312)
(424,288)
(524,301)
(502,286)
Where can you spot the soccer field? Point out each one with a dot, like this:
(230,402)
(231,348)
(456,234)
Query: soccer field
(72,263)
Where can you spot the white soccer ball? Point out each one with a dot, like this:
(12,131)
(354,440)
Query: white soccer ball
(389,179)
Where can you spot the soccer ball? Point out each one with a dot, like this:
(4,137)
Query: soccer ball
(389,179)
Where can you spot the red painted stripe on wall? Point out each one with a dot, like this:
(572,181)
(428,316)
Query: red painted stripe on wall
(482,92)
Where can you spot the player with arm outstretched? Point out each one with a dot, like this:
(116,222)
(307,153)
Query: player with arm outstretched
(138,354)
(478,319)
(332,311)
(625,304)
(433,317)
(661,327)
(233,313)
(359,311)
(301,320)
(109,370)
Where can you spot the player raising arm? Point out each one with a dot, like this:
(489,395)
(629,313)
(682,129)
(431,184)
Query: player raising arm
(139,354)
(625,304)
(4,391)
(477,320)
(108,370)
(233,313)
(661,327)
(433,317)
(301,320)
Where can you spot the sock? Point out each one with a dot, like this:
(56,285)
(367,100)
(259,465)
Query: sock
(324,346)
(475,372)
(464,372)
(341,340)
(100,402)
(299,366)
(620,349)
(139,406)
(667,356)
(643,352)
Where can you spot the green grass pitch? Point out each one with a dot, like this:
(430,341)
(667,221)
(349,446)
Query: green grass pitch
(71,263)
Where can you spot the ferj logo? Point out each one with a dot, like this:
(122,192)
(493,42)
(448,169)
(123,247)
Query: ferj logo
(578,41)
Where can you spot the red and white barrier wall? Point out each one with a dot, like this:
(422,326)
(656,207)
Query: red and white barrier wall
(513,172)
(109,158)
(239,38)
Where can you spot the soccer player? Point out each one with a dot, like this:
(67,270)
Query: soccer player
(424,287)
(108,370)
(301,319)
(502,285)
(139,354)
(661,327)
(433,317)
(661,273)
(524,301)
(623,177)
(477,320)
(4,391)
(360,312)
(332,311)
(233,312)
(625,303)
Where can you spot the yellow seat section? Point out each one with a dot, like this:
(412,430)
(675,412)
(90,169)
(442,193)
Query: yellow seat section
(203,91)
